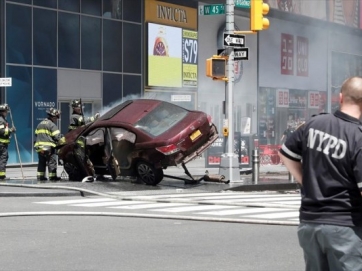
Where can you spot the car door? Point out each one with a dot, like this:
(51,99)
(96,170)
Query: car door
(111,162)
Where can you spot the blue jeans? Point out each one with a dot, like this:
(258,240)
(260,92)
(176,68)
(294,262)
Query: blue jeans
(331,247)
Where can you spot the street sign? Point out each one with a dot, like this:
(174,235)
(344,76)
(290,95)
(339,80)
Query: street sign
(233,40)
(216,9)
(242,3)
(241,54)
(5,82)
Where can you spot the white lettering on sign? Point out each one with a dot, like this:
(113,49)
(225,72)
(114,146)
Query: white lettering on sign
(323,142)
(180,98)
(282,97)
(6,82)
(313,101)
(302,56)
(287,54)
(44,104)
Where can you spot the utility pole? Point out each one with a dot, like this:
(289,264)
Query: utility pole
(230,159)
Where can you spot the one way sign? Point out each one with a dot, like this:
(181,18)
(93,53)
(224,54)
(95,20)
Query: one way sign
(234,40)
(241,54)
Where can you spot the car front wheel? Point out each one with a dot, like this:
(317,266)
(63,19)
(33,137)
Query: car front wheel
(149,174)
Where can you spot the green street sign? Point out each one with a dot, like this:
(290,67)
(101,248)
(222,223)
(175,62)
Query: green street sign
(242,3)
(216,9)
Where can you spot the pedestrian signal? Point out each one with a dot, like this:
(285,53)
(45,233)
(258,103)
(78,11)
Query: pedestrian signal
(216,67)
(257,20)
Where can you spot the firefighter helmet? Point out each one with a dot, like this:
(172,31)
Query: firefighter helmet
(53,112)
(76,103)
(4,107)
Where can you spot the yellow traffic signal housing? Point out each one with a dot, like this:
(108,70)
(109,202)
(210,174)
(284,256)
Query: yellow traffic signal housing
(216,67)
(257,20)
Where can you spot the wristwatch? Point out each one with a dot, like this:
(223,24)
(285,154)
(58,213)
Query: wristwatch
(160,47)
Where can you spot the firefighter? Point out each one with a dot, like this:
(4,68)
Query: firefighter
(5,133)
(77,119)
(48,137)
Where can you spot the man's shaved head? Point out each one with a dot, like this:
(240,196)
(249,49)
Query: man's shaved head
(352,90)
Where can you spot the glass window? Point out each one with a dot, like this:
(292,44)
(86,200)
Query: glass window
(112,9)
(22,1)
(68,41)
(70,5)
(161,119)
(132,50)
(112,46)
(45,37)
(132,10)
(132,85)
(112,89)
(18,34)
(45,3)
(91,43)
(20,102)
(92,7)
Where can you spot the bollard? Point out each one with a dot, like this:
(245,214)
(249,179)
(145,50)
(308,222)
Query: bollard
(255,166)
(291,178)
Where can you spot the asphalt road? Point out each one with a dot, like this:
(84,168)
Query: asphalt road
(120,243)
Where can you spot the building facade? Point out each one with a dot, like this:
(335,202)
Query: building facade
(107,51)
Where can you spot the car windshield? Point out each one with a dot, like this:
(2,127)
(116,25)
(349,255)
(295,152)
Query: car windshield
(162,118)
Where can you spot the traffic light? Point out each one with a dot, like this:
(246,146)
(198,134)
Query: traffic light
(216,67)
(257,20)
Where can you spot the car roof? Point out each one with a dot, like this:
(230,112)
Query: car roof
(130,111)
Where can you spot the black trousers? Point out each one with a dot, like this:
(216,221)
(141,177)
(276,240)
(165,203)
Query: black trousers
(4,156)
(50,159)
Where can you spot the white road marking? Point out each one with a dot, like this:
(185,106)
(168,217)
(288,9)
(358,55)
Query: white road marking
(150,205)
(247,210)
(275,215)
(75,201)
(107,203)
(194,208)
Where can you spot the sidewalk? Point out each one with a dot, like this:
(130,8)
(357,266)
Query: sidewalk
(271,177)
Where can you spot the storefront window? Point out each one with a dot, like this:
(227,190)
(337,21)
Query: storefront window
(92,7)
(69,5)
(18,34)
(113,9)
(45,37)
(91,43)
(68,40)
(112,46)
(132,85)
(45,3)
(131,10)
(132,49)
(112,88)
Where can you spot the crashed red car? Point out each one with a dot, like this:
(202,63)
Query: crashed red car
(138,138)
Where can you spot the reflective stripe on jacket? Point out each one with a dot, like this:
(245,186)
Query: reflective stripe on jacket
(77,120)
(4,131)
(47,135)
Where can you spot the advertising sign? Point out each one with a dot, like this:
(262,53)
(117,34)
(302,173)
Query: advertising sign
(302,56)
(189,58)
(172,56)
(287,54)
(282,97)
(313,99)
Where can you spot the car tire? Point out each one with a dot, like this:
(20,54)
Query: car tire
(73,172)
(149,174)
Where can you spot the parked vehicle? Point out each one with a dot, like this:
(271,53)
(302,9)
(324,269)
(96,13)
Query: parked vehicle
(138,138)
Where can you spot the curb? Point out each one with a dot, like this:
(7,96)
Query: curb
(265,187)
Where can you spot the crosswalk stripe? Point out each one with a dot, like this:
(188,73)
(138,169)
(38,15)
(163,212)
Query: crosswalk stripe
(275,215)
(218,196)
(107,203)
(247,210)
(263,200)
(194,208)
(60,202)
(150,205)
(288,202)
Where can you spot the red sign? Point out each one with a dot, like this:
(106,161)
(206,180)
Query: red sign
(302,56)
(283,98)
(287,54)
(313,99)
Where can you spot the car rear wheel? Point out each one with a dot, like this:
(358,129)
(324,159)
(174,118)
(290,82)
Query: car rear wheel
(149,174)
(73,172)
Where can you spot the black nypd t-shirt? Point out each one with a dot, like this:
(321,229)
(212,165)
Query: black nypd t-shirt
(330,148)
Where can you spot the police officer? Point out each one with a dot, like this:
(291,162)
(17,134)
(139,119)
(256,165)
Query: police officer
(77,119)
(5,133)
(47,138)
(325,156)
